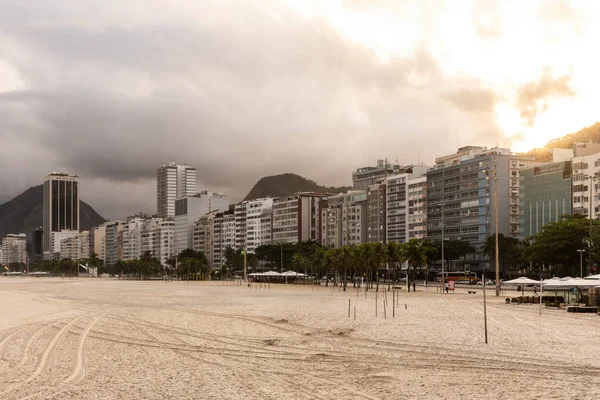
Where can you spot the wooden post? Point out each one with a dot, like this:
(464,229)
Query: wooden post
(394,304)
(355,313)
(384,309)
(348,308)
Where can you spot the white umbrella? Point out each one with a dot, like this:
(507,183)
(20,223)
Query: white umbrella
(521,281)
(569,283)
(272,273)
(597,277)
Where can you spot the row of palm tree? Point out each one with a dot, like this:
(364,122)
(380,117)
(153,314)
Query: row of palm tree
(364,260)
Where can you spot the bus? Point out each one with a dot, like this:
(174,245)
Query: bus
(461,276)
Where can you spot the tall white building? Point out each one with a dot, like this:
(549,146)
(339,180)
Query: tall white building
(204,236)
(189,209)
(14,249)
(173,182)
(417,208)
(224,236)
(586,184)
(132,238)
(76,247)
(56,239)
(113,243)
(98,237)
(398,204)
(249,228)
(60,206)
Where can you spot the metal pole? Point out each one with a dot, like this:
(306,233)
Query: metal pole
(592,178)
(442,282)
(281,266)
(496,218)
(484,309)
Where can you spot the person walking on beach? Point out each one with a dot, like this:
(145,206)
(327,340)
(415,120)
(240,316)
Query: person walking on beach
(414,286)
(446,287)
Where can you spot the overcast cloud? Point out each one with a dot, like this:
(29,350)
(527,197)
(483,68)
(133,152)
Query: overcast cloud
(244,89)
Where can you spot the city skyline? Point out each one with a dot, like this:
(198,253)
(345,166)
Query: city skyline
(314,88)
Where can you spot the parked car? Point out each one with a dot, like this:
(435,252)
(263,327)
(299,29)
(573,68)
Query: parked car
(487,283)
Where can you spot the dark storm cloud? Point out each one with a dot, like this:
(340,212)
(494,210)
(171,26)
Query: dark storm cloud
(533,97)
(255,94)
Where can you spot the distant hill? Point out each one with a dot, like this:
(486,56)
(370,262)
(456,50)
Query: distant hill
(585,135)
(24,213)
(287,184)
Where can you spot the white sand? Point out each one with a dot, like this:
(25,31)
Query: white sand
(109,339)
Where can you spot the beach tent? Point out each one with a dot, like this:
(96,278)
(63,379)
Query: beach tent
(522,281)
(564,284)
(292,274)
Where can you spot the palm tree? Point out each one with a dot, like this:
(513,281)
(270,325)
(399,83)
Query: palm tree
(380,258)
(319,259)
(346,256)
(396,256)
(366,256)
(415,253)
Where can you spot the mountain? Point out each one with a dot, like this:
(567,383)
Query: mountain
(585,135)
(287,184)
(24,213)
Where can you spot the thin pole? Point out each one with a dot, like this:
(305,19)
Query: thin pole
(496,218)
(484,309)
(442,281)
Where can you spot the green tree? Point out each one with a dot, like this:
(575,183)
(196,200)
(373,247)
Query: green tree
(396,257)
(558,242)
(416,254)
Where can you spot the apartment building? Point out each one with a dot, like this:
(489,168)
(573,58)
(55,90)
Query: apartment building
(364,177)
(343,219)
(76,248)
(14,249)
(224,233)
(398,210)
(249,229)
(113,242)
(586,176)
(189,209)
(173,181)
(296,217)
(460,197)
(417,208)
(376,213)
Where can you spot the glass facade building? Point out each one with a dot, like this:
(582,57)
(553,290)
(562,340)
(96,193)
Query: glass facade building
(545,195)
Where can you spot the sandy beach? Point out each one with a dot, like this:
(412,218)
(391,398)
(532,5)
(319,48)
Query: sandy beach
(111,339)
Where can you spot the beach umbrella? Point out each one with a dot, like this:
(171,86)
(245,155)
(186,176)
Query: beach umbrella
(522,281)
(597,277)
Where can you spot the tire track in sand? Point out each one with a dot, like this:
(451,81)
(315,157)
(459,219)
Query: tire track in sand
(80,369)
(43,365)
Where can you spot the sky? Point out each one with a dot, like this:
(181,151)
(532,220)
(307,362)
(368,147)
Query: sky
(249,88)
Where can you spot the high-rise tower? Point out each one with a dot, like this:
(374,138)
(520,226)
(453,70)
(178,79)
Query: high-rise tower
(173,182)
(61,205)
